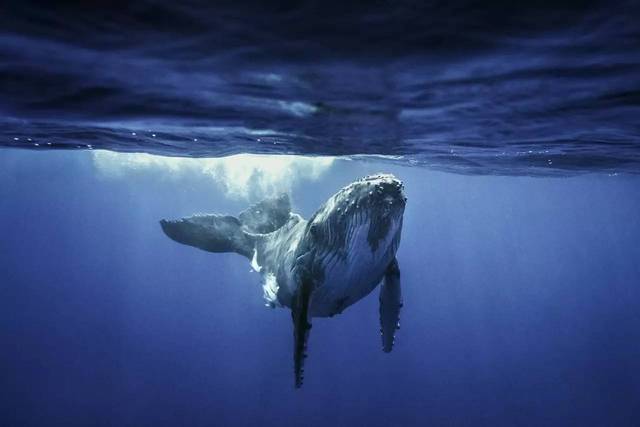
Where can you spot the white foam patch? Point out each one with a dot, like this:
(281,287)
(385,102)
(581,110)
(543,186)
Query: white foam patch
(240,176)
(270,290)
(254,262)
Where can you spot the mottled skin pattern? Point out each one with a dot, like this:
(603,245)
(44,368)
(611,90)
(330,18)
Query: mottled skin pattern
(319,267)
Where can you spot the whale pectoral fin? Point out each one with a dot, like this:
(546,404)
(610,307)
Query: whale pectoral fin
(301,328)
(213,233)
(390,305)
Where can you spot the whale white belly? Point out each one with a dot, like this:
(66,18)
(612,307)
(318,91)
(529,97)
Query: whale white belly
(352,276)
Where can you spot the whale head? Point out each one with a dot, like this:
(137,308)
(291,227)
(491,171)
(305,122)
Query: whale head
(366,214)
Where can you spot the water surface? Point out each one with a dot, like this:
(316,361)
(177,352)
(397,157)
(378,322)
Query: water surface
(475,88)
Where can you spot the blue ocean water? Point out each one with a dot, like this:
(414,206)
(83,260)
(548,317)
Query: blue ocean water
(520,302)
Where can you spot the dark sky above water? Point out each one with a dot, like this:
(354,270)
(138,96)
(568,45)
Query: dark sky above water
(470,87)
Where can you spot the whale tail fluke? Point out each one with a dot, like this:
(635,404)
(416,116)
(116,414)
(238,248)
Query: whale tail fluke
(226,233)
(212,233)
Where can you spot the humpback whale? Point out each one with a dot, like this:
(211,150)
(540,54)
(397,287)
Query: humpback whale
(320,266)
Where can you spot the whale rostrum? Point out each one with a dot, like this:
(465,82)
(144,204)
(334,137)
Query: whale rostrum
(320,266)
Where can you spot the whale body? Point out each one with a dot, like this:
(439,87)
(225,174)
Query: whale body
(320,266)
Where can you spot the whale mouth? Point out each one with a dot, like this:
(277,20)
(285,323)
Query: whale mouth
(383,192)
(372,197)
(371,207)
